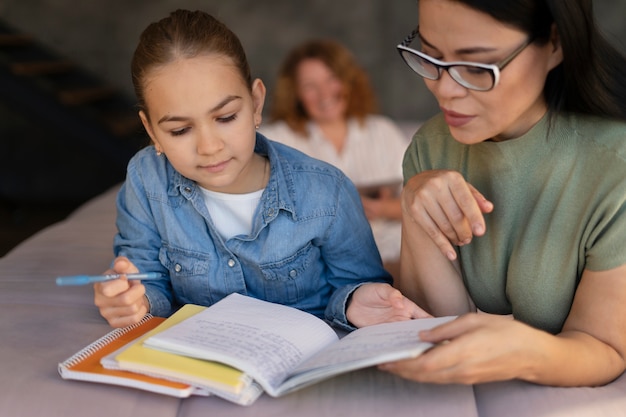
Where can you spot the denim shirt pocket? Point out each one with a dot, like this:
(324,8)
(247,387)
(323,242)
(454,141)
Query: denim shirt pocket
(189,274)
(295,278)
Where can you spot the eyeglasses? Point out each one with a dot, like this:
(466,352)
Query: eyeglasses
(472,75)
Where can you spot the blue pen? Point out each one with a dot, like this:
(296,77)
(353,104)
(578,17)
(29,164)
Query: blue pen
(90,279)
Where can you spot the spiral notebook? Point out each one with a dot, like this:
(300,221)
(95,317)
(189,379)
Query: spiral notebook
(214,377)
(85,365)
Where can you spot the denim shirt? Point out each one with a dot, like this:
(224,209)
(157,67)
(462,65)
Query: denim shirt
(310,246)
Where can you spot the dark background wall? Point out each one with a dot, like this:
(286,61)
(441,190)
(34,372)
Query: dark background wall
(44,163)
(101,34)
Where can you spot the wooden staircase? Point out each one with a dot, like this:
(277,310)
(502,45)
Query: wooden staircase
(65,135)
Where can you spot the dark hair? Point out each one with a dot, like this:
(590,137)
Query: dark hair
(184,34)
(591,79)
(360,95)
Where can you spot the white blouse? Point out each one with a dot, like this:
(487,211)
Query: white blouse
(372,154)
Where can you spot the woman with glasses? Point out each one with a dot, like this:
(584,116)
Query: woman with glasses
(515,196)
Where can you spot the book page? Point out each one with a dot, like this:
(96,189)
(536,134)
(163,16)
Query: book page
(364,347)
(263,339)
(135,357)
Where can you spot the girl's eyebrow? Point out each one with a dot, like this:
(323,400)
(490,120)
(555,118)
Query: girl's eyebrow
(462,51)
(224,102)
(220,105)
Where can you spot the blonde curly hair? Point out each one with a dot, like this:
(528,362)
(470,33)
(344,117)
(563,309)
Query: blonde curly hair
(286,105)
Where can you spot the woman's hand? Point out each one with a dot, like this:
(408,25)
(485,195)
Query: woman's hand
(377,303)
(121,302)
(449,209)
(475,348)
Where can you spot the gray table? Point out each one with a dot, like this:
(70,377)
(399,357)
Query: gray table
(41,325)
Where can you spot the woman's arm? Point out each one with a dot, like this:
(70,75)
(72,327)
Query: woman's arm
(429,278)
(590,350)
(429,275)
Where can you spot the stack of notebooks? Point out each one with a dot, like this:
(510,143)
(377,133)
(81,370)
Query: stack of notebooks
(237,349)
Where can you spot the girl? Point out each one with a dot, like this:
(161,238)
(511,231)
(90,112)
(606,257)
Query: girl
(524,169)
(217,208)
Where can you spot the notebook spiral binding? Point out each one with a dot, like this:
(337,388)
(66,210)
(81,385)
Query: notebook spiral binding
(102,342)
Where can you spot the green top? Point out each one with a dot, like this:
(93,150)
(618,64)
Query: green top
(559,200)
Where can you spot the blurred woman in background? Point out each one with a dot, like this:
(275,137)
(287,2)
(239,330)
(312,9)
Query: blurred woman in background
(324,106)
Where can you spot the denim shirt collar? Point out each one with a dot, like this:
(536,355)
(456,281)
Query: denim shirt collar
(279,193)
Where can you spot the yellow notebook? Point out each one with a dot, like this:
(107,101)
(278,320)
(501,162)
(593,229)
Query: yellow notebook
(85,364)
(219,379)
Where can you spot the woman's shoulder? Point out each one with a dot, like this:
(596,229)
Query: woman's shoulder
(296,158)
(598,124)
(374,127)
(303,167)
(380,119)
(597,131)
(309,183)
(280,131)
(377,122)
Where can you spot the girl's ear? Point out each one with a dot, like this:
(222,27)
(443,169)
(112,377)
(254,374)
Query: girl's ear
(556,56)
(258,100)
(146,125)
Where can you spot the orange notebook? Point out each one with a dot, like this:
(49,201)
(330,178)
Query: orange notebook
(85,365)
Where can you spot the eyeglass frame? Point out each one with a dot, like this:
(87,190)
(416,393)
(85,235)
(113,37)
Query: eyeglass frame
(494,69)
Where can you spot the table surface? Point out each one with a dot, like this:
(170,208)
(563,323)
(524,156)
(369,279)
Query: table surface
(42,324)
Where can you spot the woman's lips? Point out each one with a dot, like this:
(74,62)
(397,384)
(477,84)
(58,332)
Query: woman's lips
(454,119)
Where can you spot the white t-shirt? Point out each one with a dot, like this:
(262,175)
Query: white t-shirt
(372,154)
(231,213)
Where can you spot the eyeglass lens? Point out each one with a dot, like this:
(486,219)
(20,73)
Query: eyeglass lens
(468,76)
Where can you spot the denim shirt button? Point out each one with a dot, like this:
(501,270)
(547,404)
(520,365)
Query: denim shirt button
(178,268)
(293,273)
(187,189)
(270,211)
(231,262)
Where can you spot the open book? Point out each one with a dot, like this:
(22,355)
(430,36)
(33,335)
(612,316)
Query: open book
(283,348)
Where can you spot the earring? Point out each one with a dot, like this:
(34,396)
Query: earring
(158,152)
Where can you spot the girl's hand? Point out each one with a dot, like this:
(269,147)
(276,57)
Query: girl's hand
(474,348)
(121,302)
(377,303)
(449,209)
